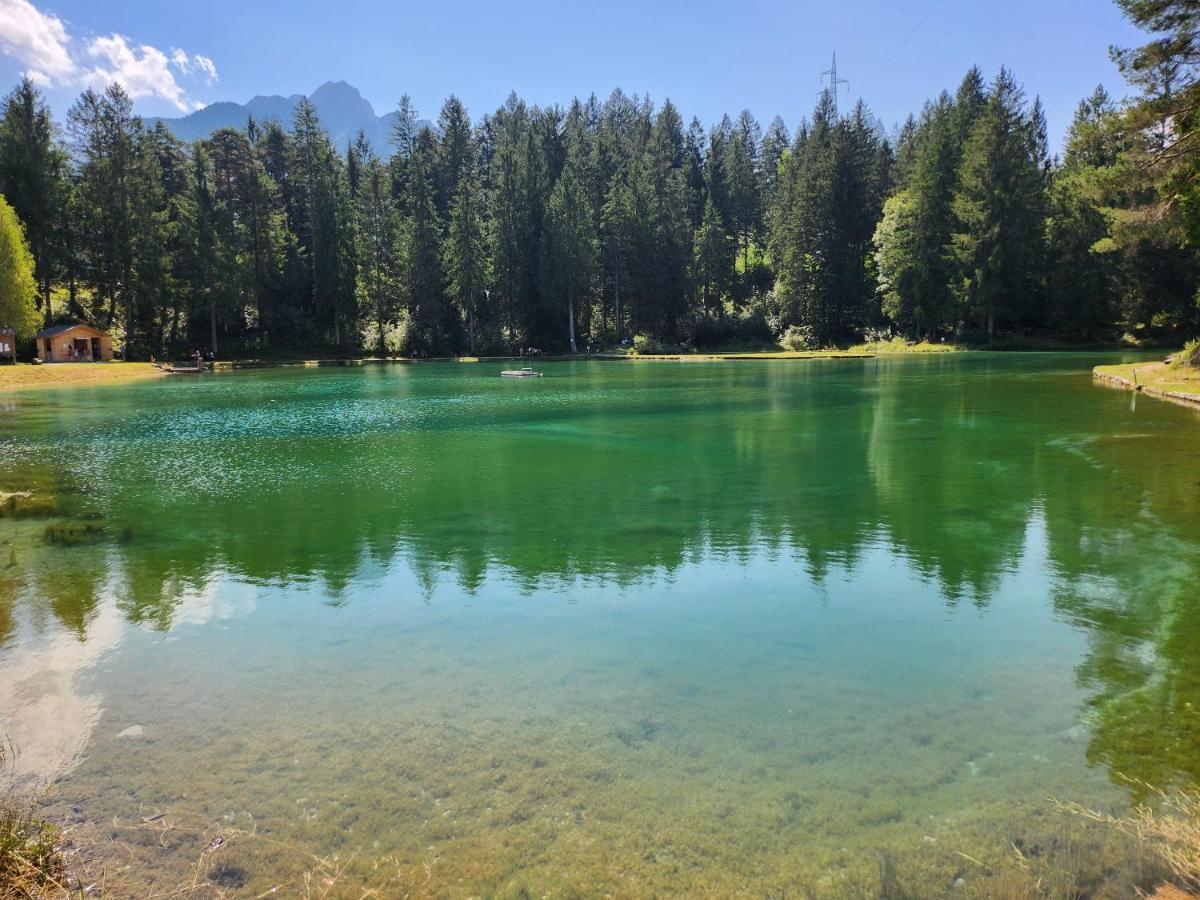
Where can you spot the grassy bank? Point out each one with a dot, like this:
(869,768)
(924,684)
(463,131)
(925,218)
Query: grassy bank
(24,375)
(857,351)
(1177,379)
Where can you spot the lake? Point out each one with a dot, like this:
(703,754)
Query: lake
(770,629)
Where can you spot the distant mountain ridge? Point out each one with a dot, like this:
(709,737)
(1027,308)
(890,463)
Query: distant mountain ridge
(343,111)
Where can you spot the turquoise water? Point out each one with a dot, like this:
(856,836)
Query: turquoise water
(834,628)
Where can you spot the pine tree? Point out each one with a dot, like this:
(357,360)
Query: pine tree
(466,253)
(456,147)
(105,133)
(1168,111)
(570,250)
(998,206)
(33,178)
(712,260)
(431,324)
(933,154)
(379,249)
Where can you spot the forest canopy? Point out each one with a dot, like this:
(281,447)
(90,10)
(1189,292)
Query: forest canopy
(586,225)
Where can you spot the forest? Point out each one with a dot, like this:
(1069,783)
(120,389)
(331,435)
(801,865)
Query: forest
(613,220)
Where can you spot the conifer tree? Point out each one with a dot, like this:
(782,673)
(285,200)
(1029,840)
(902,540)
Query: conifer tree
(998,206)
(570,250)
(33,178)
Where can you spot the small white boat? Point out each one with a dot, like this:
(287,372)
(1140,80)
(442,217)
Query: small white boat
(526,372)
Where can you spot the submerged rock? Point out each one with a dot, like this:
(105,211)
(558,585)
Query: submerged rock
(133,732)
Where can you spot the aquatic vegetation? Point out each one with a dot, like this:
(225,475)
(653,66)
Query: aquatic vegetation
(69,534)
(28,506)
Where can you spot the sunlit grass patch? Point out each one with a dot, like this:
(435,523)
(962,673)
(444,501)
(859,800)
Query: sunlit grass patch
(31,863)
(900,345)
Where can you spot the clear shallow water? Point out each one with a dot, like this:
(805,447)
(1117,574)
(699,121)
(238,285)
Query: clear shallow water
(747,628)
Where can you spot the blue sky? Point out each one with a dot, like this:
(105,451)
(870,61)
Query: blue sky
(708,57)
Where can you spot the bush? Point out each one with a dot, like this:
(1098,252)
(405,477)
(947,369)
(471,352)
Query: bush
(645,344)
(798,337)
(1190,355)
(744,327)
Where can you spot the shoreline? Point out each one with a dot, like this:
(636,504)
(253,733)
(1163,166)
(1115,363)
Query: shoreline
(25,376)
(1123,377)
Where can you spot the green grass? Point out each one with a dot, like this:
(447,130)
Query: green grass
(871,348)
(31,863)
(1180,375)
(899,345)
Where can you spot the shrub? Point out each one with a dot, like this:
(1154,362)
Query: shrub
(798,337)
(747,326)
(1190,355)
(646,344)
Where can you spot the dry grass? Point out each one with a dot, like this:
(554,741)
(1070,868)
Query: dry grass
(74,374)
(1170,827)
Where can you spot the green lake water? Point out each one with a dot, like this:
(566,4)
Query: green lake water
(766,629)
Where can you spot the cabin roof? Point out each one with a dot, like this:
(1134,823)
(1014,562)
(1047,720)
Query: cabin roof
(56,330)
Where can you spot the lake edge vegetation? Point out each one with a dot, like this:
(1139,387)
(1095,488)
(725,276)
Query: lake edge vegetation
(611,222)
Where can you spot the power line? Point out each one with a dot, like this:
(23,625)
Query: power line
(907,38)
(953,28)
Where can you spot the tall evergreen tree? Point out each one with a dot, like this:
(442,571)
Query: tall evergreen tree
(570,250)
(105,133)
(998,205)
(466,254)
(33,178)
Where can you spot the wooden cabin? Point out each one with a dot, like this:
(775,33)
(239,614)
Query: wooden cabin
(8,346)
(74,343)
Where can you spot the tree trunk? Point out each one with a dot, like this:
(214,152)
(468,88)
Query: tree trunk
(379,322)
(617,296)
(571,322)
(212,321)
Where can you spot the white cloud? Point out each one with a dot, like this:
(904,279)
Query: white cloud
(197,63)
(37,39)
(40,41)
(207,66)
(143,71)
